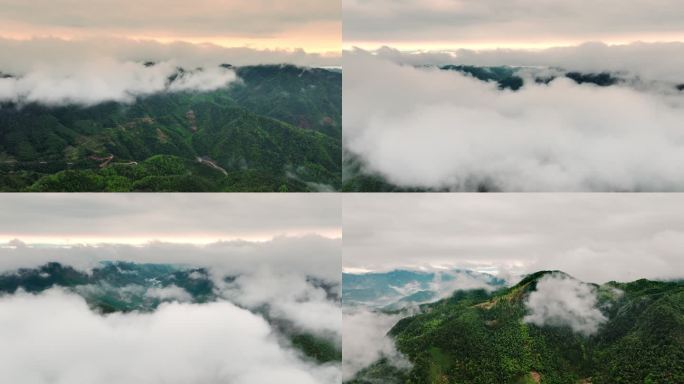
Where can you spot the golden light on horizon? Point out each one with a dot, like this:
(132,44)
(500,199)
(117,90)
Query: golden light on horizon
(142,239)
(318,38)
(418,46)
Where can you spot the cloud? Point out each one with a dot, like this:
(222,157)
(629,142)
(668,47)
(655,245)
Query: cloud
(647,61)
(490,22)
(93,82)
(428,128)
(291,278)
(18,57)
(594,237)
(365,341)
(92,70)
(563,301)
(169,293)
(288,296)
(448,282)
(313,256)
(55,338)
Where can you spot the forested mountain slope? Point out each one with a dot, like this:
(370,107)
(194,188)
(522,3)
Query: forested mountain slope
(278,128)
(632,333)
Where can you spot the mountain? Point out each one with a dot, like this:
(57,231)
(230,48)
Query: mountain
(398,289)
(125,287)
(276,129)
(480,337)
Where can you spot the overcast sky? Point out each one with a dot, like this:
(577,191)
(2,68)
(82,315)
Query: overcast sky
(182,218)
(594,237)
(484,24)
(312,25)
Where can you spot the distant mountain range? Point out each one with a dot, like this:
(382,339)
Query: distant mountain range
(399,289)
(277,129)
(476,336)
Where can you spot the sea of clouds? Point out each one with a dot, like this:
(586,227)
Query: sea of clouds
(54,337)
(423,127)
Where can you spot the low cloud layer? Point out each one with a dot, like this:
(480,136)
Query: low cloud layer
(313,256)
(94,82)
(93,70)
(365,341)
(422,127)
(289,296)
(54,337)
(647,61)
(561,301)
(287,276)
(19,57)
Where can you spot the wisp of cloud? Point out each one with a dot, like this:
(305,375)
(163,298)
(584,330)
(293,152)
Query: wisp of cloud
(563,301)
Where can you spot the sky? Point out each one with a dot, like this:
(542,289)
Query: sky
(311,25)
(418,25)
(593,237)
(135,219)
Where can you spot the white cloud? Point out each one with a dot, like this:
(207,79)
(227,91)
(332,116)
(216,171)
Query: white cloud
(647,61)
(276,274)
(435,129)
(93,82)
(18,57)
(563,301)
(289,296)
(365,340)
(169,293)
(313,256)
(448,282)
(55,338)
(97,69)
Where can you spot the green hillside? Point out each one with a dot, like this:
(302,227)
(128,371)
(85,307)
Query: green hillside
(477,337)
(277,129)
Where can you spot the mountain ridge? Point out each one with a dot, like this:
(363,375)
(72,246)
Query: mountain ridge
(480,337)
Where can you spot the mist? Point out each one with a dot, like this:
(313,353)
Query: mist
(262,292)
(426,128)
(647,61)
(560,300)
(365,341)
(90,71)
(18,57)
(94,82)
(54,337)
